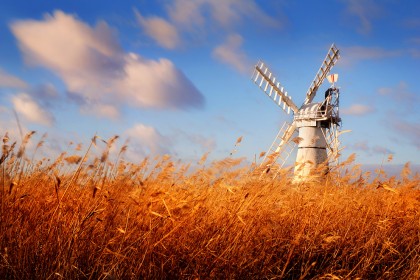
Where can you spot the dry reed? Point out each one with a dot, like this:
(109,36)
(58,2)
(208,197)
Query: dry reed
(159,219)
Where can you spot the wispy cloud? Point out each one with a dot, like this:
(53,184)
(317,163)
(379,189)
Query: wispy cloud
(365,11)
(205,143)
(100,109)
(231,12)
(414,49)
(360,146)
(412,22)
(381,150)
(9,81)
(356,54)
(186,14)
(368,149)
(27,107)
(357,110)
(403,103)
(188,20)
(414,40)
(194,141)
(230,53)
(401,95)
(415,53)
(162,31)
(45,94)
(226,14)
(407,130)
(96,69)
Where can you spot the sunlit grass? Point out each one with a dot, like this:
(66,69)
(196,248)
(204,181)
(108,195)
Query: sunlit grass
(78,217)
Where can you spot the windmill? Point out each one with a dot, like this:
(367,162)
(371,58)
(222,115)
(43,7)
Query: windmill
(316,123)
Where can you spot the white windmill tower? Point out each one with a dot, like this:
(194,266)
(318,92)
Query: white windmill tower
(317,123)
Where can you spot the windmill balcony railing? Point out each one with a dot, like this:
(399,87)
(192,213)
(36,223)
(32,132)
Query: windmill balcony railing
(322,113)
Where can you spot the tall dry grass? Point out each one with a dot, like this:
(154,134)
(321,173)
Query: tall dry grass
(79,217)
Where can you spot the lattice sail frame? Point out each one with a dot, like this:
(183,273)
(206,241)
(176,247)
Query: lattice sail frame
(267,82)
(330,60)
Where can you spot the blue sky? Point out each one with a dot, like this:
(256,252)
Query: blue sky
(174,76)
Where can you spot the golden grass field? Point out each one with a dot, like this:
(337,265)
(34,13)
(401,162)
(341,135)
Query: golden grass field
(77,217)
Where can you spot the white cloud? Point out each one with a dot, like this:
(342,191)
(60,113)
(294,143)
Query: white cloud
(163,32)
(231,54)
(357,109)
(66,45)
(157,84)
(31,110)
(146,140)
(10,81)
(96,70)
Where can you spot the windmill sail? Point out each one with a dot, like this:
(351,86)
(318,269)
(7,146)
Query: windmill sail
(333,144)
(332,56)
(265,79)
(281,148)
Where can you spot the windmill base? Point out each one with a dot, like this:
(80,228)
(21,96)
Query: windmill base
(311,159)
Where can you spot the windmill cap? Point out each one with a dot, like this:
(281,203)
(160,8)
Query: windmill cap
(332,78)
